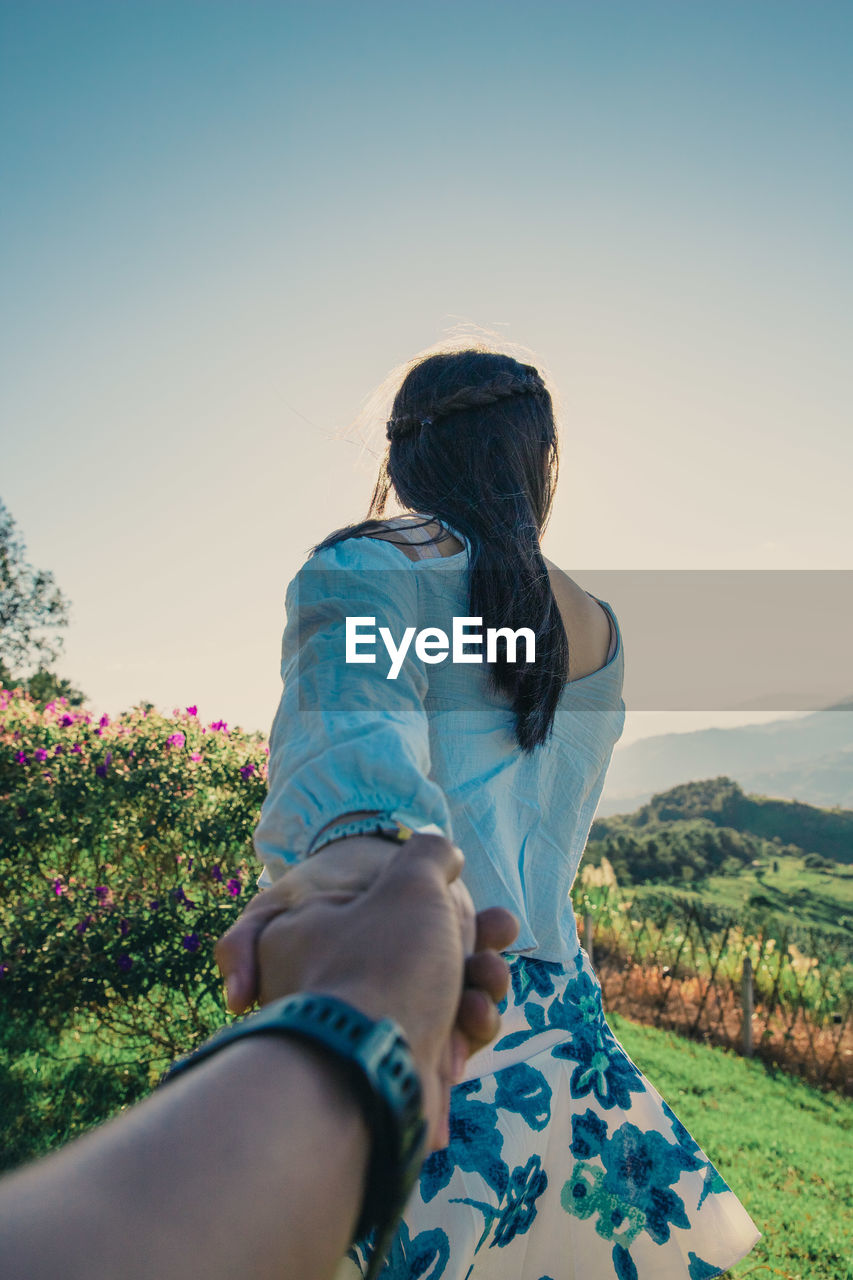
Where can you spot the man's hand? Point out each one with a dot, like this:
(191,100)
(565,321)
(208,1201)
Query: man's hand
(393,949)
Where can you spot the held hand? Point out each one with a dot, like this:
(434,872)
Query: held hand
(394,951)
(336,873)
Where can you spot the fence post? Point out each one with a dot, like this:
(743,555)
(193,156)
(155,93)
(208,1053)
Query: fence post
(748,1007)
(587,934)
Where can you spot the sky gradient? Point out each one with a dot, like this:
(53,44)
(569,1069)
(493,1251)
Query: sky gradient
(223,224)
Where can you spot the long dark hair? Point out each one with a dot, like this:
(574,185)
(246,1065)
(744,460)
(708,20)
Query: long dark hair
(473,442)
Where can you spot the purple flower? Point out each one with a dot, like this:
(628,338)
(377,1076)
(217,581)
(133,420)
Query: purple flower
(21,758)
(124,927)
(102,892)
(40,754)
(192,711)
(179,895)
(234,888)
(57,750)
(66,721)
(58,888)
(84,924)
(175,740)
(124,962)
(104,721)
(247,770)
(191,942)
(154,904)
(216,873)
(76,749)
(101,770)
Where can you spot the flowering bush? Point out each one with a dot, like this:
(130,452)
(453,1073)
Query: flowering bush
(125,850)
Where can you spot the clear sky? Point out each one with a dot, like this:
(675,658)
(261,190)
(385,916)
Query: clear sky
(223,224)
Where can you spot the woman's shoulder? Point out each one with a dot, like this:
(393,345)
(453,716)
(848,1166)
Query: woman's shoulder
(587,623)
(358,551)
(356,567)
(405,537)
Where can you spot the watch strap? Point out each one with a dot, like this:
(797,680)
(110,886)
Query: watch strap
(386,1084)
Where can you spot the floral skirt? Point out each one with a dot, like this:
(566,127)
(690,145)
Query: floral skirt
(564,1162)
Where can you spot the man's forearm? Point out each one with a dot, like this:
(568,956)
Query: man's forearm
(268,1127)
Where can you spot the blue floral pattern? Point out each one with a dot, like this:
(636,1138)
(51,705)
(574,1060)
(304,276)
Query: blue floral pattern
(568,1143)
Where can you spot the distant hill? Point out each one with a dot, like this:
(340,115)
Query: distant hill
(722,802)
(712,843)
(808,759)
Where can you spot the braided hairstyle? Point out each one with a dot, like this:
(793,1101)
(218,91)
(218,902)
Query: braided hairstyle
(473,443)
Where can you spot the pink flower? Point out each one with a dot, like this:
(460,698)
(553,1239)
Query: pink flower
(176,740)
(192,711)
(40,754)
(219,725)
(247,770)
(58,888)
(234,888)
(195,755)
(104,721)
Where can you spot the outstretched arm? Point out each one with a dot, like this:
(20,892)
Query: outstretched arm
(253,1164)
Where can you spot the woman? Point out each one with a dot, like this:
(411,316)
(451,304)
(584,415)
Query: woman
(563,1161)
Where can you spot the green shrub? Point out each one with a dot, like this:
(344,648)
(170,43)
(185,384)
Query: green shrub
(125,852)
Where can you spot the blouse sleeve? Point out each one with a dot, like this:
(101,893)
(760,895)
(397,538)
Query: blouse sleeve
(345,736)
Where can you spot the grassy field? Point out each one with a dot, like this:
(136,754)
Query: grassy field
(785,1149)
(796,893)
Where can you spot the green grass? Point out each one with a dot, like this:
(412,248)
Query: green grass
(785,1149)
(798,894)
(53,1089)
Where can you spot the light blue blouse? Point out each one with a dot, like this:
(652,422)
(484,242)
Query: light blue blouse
(435,745)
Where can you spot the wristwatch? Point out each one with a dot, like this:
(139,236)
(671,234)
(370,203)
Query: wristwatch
(383,1075)
(384,825)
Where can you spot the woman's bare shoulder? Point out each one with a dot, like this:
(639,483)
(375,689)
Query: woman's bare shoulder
(587,623)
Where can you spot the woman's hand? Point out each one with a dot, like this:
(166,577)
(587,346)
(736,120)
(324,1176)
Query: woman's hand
(336,873)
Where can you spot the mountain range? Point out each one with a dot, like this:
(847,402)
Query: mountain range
(808,759)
